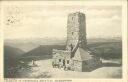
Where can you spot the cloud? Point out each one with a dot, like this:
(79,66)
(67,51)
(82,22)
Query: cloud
(104,27)
(116,17)
(51,21)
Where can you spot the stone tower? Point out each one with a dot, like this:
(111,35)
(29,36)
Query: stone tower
(76,31)
(76,57)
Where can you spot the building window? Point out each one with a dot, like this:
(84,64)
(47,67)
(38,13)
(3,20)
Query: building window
(59,60)
(67,61)
(85,63)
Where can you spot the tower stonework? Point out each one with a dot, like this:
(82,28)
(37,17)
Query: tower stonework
(76,31)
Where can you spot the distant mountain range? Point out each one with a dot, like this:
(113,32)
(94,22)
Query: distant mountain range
(113,39)
(39,46)
(31,43)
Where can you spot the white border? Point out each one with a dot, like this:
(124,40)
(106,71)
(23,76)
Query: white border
(88,3)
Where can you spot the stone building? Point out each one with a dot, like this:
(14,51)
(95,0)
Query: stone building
(76,57)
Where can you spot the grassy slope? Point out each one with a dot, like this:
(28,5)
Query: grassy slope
(107,50)
(11,56)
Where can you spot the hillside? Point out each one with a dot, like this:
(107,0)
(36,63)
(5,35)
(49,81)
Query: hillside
(12,52)
(107,50)
(42,51)
(11,56)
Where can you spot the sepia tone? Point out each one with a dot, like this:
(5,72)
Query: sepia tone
(60,41)
(76,57)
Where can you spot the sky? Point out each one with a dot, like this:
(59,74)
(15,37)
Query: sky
(41,21)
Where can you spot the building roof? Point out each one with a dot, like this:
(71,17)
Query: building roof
(82,55)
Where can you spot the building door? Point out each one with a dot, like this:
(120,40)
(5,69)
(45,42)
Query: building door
(63,62)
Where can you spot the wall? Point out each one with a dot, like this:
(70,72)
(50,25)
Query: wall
(77,65)
(61,54)
(90,65)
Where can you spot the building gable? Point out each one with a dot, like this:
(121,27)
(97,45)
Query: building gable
(77,55)
(82,55)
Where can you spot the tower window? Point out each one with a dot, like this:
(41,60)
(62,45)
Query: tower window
(72,33)
(72,18)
